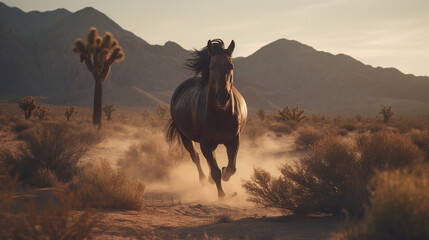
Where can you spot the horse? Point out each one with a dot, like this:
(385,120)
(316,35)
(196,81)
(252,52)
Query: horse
(208,109)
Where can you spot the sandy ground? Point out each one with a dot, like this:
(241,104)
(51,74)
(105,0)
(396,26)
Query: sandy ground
(182,208)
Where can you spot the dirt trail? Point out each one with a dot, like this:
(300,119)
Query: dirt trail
(162,218)
(182,208)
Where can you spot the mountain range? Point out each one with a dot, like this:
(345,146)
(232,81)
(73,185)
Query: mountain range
(37,60)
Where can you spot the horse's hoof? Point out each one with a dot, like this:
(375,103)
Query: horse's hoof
(221,195)
(225,174)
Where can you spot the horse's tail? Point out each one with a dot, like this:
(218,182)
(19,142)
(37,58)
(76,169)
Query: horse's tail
(173,133)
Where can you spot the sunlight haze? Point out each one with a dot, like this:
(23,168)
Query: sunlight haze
(380,33)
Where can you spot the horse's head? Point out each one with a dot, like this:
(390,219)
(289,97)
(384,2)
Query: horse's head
(221,71)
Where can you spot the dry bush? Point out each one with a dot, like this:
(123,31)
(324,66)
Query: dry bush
(421,139)
(21,125)
(108,188)
(398,209)
(53,149)
(306,137)
(322,182)
(335,175)
(225,217)
(281,128)
(152,158)
(387,151)
(58,220)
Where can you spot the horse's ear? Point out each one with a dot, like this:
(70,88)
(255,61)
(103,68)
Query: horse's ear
(210,48)
(231,47)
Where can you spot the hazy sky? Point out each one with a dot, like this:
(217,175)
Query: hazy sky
(386,33)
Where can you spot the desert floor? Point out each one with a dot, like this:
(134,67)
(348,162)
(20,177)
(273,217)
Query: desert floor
(182,208)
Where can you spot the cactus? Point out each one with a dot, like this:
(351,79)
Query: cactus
(99,54)
(28,104)
(108,109)
(70,111)
(387,113)
(261,114)
(294,114)
(42,112)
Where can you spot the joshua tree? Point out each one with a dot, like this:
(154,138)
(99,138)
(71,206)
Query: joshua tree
(108,109)
(98,54)
(292,114)
(70,111)
(28,104)
(42,112)
(261,114)
(387,113)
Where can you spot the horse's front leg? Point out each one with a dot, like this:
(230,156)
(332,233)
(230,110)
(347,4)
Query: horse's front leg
(208,152)
(231,149)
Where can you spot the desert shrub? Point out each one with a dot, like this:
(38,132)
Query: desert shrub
(349,127)
(21,125)
(322,182)
(28,104)
(398,209)
(387,113)
(105,187)
(282,127)
(335,174)
(306,137)
(294,114)
(44,178)
(53,149)
(70,111)
(387,151)
(152,158)
(42,112)
(421,139)
(225,217)
(374,127)
(108,109)
(57,220)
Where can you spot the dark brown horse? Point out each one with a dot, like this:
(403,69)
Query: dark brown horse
(209,110)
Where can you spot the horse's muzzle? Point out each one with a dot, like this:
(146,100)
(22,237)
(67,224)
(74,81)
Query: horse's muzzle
(223,99)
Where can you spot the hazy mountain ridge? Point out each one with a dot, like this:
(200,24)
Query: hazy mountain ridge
(38,61)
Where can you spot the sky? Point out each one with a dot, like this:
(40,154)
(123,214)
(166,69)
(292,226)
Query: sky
(385,33)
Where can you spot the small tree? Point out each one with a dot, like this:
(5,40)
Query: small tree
(28,104)
(70,111)
(108,109)
(42,112)
(99,54)
(294,114)
(387,113)
(261,114)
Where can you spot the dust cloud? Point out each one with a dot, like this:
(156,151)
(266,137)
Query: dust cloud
(145,155)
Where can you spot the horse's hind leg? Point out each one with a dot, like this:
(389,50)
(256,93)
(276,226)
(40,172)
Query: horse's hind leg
(189,146)
(208,152)
(231,149)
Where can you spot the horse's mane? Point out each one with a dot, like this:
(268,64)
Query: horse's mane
(199,63)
